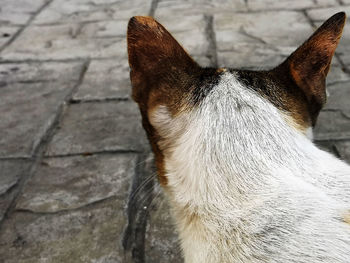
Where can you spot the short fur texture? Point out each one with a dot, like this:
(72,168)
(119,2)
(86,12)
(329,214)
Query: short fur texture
(234,154)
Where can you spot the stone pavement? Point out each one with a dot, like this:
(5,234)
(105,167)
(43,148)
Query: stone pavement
(77,183)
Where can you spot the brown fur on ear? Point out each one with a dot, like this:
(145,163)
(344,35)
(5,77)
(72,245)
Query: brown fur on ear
(156,59)
(161,73)
(308,66)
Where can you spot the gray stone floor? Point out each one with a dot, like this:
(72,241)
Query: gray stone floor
(77,183)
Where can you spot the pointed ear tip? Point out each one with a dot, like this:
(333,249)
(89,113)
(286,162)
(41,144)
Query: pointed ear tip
(339,17)
(141,21)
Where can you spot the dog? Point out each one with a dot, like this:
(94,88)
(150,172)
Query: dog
(234,151)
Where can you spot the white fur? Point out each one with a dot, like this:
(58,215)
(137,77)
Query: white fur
(245,186)
(310,133)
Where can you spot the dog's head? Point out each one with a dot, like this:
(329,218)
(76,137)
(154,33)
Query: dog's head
(173,91)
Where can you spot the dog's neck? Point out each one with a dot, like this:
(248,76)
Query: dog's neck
(220,171)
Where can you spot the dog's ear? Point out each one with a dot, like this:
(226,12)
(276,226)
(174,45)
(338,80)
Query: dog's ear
(157,61)
(309,64)
(161,73)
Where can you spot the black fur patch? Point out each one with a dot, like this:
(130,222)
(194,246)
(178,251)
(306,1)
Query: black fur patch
(280,89)
(204,83)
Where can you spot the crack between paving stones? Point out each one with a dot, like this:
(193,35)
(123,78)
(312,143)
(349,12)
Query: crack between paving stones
(332,140)
(246,3)
(93,153)
(308,18)
(245,33)
(16,158)
(337,82)
(153,8)
(339,111)
(35,14)
(9,190)
(81,101)
(65,60)
(342,64)
(211,38)
(39,151)
(140,198)
(336,151)
(69,210)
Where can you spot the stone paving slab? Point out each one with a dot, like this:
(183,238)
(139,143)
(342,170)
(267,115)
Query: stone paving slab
(72,182)
(321,14)
(161,241)
(332,124)
(31,94)
(334,120)
(183,8)
(191,34)
(65,41)
(96,127)
(11,171)
(338,98)
(27,112)
(6,32)
(256,5)
(40,72)
(77,11)
(261,57)
(91,234)
(18,13)
(341,149)
(105,79)
(289,28)
(336,74)
(251,41)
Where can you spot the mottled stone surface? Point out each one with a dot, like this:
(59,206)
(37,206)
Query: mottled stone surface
(72,182)
(332,124)
(96,127)
(284,5)
(192,34)
(289,29)
(65,42)
(20,12)
(31,94)
(27,112)
(11,171)
(184,8)
(338,99)
(6,33)
(40,72)
(91,234)
(343,148)
(162,244)
(259,55)
(107,79)
(321,14)
(73,11)
(336,74)
(251,41)
(334,120)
